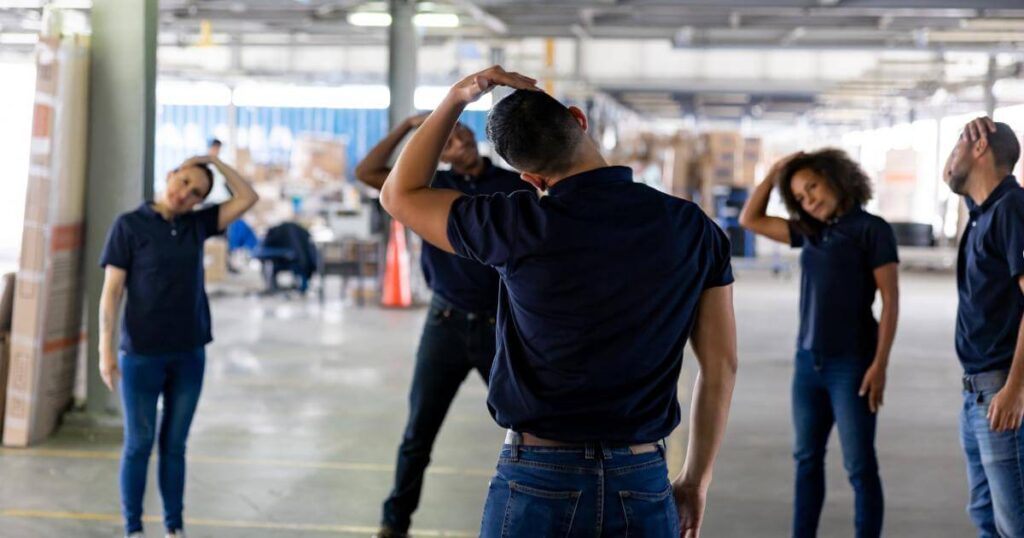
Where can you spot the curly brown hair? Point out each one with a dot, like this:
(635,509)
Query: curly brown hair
(851,185)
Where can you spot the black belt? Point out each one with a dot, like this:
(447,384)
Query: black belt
(984,381)
(449,310)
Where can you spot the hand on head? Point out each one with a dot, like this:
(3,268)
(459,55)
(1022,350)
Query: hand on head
(476,85)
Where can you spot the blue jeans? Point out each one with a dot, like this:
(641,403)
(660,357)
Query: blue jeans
(453,344)
(178,377)
(825,393)
(580,492)
(995,465)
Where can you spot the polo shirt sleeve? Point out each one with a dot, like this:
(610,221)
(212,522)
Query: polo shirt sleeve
(1011,235)
(484,228)
(796,237)
(117,251)
(208,219)
(880,242)
(720,258)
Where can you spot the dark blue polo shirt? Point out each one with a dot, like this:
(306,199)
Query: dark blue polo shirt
(600,281)
(837,283)
(990,263)
(166,309)
(466,284)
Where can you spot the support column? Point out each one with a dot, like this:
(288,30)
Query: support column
(990,84)
(122,114)
(402,48)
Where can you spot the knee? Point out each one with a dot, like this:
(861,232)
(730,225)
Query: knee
(861,465)
(139,444)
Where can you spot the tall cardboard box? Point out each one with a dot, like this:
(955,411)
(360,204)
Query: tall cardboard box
(47,324)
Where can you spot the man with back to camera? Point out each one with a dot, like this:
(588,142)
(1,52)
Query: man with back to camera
(990,324)
(602,282)
(459,332)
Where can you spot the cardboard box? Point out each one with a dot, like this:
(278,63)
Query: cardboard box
(215,260)
(47,329)
(319,159)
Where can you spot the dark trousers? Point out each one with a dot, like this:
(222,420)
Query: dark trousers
(453,343)
(825,393)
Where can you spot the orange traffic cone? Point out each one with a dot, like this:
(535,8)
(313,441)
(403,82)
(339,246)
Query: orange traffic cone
(397,291)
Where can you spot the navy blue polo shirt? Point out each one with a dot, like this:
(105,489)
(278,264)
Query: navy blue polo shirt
(166,309)
(600,281)
(837,283)
(989,266)
(466,284)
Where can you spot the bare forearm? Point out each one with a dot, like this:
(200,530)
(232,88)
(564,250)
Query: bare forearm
(239,187)
(708,416)
(1016,378)
(373,169)
(887,330)
(109,306)
(757,205)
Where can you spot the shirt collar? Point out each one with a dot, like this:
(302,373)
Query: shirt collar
(607,175)
(853,213)
(1009,182)
(147,209)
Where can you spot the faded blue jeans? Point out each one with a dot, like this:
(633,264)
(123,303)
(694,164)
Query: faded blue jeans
(825,393)
(580,492)
(995,462)
(178,378)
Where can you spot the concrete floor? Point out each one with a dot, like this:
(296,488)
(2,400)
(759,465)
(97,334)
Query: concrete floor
(303,407)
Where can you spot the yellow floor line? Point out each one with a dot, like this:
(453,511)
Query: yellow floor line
(200,459)
(221,523)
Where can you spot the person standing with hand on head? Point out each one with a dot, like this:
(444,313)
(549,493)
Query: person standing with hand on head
(990,324)
(842,351)
(153,258)
(603,281)
(458,336)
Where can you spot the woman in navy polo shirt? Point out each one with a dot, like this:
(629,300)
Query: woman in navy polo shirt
(155,253)
(842,351)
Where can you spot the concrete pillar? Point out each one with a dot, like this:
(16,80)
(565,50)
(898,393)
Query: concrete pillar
(402,47)
(990,84)
(122,113)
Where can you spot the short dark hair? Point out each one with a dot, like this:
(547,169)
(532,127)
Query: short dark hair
(534,132)
(1005,146)
(851,185)
(214,142)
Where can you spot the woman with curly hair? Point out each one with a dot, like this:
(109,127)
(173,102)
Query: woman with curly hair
(842,351)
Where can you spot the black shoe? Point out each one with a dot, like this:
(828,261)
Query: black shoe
(386,532)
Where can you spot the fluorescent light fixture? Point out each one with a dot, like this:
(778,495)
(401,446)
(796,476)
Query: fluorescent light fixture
(422,20)
(38,4)
(183,92)
(290,96)
(366,18)
(429,97)
(436,20)
(19,39)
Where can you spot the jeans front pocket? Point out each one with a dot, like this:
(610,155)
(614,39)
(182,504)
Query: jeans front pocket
(533,512)
(650,515)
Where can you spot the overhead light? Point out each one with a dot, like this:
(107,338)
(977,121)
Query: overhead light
(18,39)
(436,20)
(422,20)
(367,18)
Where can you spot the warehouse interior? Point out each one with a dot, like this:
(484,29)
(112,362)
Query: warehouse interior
(307,380)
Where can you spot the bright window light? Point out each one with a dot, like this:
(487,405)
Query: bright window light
(283,95)
(429,97)
(19,39)
(181,92)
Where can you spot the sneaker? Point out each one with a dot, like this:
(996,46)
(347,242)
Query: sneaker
(138,534)
(175,534)
(387,532)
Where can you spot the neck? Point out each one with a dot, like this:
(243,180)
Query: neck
(474,169)
(591,160)
(163,210)
(981,185)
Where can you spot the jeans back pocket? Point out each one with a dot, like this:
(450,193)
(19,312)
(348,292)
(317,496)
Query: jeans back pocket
(650,515)
(533,512)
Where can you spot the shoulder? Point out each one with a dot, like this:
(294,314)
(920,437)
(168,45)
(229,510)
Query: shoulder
(874,222)
(509,180)
(1012,202)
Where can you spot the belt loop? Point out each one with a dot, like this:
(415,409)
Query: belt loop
(606,452)
(589,450)
(516,439)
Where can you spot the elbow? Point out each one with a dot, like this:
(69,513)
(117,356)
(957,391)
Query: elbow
(387,198)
